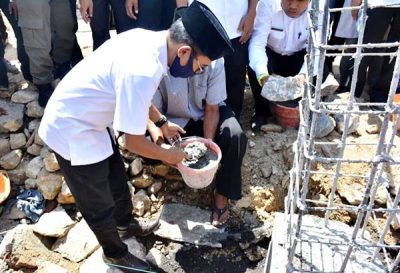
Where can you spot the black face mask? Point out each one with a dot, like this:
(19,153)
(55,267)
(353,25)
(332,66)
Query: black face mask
(179,71)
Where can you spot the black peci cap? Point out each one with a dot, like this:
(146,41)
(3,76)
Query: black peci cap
(206,31)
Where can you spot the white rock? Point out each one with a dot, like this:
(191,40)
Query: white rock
(65,197)
(50,163)
(48,267)
(155,187)
(49,184)
(34,110)
(11,160)
(278,88)
(54,224)
(24,96)
(78,244)
(4,147)
(34,149)
(141,204)
(136,166)
(251,144)
(30,183)
(12,116)
(33,125)
(34,167)
(17,141)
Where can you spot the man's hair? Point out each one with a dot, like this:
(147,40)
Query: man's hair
(178,34)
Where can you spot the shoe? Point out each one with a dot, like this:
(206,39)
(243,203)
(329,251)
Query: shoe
(256,122)
(138,228)
(10,67)
(127,263)
(45,92)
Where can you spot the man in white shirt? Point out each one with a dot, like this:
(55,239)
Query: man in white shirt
(277,46)
(197,104)
(114,87)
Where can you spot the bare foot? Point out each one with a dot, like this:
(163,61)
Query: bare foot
(220,212)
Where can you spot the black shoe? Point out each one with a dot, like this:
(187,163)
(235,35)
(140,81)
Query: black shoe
(256,122)
(127,263)
(138,228)
(45,92)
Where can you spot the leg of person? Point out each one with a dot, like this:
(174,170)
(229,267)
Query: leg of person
(99,22)
(22,56)
(3,31)
(3,70)
(90,187)
(77,55)
(34,20)
(122,21)
(233,142)
(333,40)
(167,16)
(346,67)
(235,74)
(150,14)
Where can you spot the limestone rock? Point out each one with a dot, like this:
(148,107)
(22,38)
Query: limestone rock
(278,88)
(34,167)
(44,152)
(49,184)
(18,175)
(341,101)
(136,166)
(11,116)
(78,244)
(266,170)
(48,267)
(34,149)
(324,125)
(65,197)
(17,141)
(141,203)
(54,224)
(155,187)
(34,110)
(30,183)
(38,140)
(11,160)
(4,147)
(15,213)
(24,96)
(166,172)
(374,124)
(353,191)
(33,125)
(143,181)
(252,144)
(270,127)
(50,163)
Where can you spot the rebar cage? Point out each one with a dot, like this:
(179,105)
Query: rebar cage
(340,165)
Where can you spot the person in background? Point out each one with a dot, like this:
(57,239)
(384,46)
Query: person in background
(114,88)
(197,104)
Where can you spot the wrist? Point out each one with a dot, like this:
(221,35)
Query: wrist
(161,121)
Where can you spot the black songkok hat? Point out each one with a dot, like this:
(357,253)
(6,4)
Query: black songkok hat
(206,31)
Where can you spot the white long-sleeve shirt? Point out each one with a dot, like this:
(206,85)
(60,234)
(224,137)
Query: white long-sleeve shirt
(281,33)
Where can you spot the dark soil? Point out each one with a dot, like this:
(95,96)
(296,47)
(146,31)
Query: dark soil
(200,155)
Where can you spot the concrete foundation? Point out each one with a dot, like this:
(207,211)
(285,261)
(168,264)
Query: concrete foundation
(325,255)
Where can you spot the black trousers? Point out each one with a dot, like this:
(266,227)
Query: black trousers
(235,74)
(380,69)
(282,65)
(232,142)
(102,195)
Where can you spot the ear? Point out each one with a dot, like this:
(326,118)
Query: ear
(184,53)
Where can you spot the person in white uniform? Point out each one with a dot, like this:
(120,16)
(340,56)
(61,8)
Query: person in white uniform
(277,46)
(197,104)
(114,87)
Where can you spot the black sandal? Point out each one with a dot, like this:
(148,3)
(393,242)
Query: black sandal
(219,212)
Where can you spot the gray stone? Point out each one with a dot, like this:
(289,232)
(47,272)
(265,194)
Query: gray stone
(271,128)
(353,123)
(189,224)
(34,110)
(50,163)
(18,175)
(252,144)
(143,181)
(15,213)
(339,103)
(11,160)
(24,96)
(324,125)
(96,264)
(49,184)
(136,166)
(48,267)
(33,125)
(54,224)
(329,86)
(78,244)
(374,124)
(34,167)
(155,187)
(11,116)
(44,152)
(353,191)
(34,149)
(4,147)
(266,170)
(255,253)
(141,203)
(17,141)
(30,183)
(278,88)
(38,140)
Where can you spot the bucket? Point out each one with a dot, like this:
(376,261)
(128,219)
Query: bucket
(200,178)
(396,101)
(4,186)
(287,117)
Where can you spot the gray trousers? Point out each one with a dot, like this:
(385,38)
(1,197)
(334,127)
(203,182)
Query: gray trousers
(48,31)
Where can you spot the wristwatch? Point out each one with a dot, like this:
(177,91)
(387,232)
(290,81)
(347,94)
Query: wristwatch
(159,123)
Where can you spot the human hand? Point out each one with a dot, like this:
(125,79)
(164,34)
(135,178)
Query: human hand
(174,155)
(130,6)
(181,3)
(172,132)
(301,78)
(246,27)
(13,9)
(86,10)
(354,13)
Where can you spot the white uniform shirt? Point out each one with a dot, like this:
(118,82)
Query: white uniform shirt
(229,13)
(281,33)
(388,3)
(112,87)
(184,99)
(347,26)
